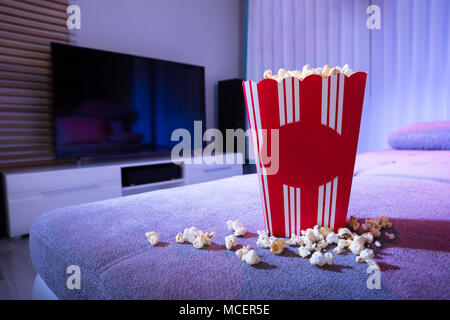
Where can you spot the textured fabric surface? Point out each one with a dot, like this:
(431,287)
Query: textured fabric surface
(432,135)
(107,240)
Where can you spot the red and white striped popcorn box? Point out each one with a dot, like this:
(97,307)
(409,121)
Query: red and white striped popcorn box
(318,122)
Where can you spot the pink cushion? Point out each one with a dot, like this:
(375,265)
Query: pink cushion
(432,135)
(77,130)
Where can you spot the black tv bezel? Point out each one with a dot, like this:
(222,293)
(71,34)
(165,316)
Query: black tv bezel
(125,154)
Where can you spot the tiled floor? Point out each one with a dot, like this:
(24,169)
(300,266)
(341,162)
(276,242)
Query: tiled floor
(16,271)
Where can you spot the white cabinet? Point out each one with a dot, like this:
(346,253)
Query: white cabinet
(29,193)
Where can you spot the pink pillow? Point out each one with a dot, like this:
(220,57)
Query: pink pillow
(78,130)
(432,135)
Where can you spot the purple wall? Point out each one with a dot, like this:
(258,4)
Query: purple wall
(209,33)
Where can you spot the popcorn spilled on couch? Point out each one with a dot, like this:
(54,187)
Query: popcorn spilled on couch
(325,71)
(311,244)
(313,241)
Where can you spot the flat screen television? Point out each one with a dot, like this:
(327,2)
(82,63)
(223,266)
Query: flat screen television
(109,103)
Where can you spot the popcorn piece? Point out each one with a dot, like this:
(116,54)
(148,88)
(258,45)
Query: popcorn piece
(295,240)
(282,73)
(359,259)
(263,239)
(243,251)
(309,233)
(390,236)
(322,244)
(329,258)
(344,233)
(230,241)
(356,247)
(202,239)
(373,223)
(237,227)
(199,242)
(353,223)
(360,239)
(332,238)
(325,231)
(317,259)
(240,231)
(152,237)
(277,246)
(386,222)
(346,70)
(303,252)
(179,238)
(317,233)
(367,254)
(208,237)
(263,243)
(375,231)
(326,71)
(310,245)
(267,74)
(334,71)
(378,244)
(189,233)
(251,257)
(338,250)
(368,237)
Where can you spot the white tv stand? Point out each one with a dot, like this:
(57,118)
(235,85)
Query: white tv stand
(30,192)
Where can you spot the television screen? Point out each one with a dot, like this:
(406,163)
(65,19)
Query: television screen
(110,103)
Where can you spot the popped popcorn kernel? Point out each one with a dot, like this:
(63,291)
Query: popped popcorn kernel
(329,258)
(356,247)
(263,239)
(353,223)
(179,238)
(325,231)
(344,233)
(251,257)
(317,233)
(386,222)
(277,246)
(317,259)
(152,237)
(199,239)
(338,250)
(189,233)
(322,244)
(367,254)
(242,251)
(390,236)
(368,237)
(332,238)
(303,252)
(230,241)
(295,240)
(237,227)
(268,74)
